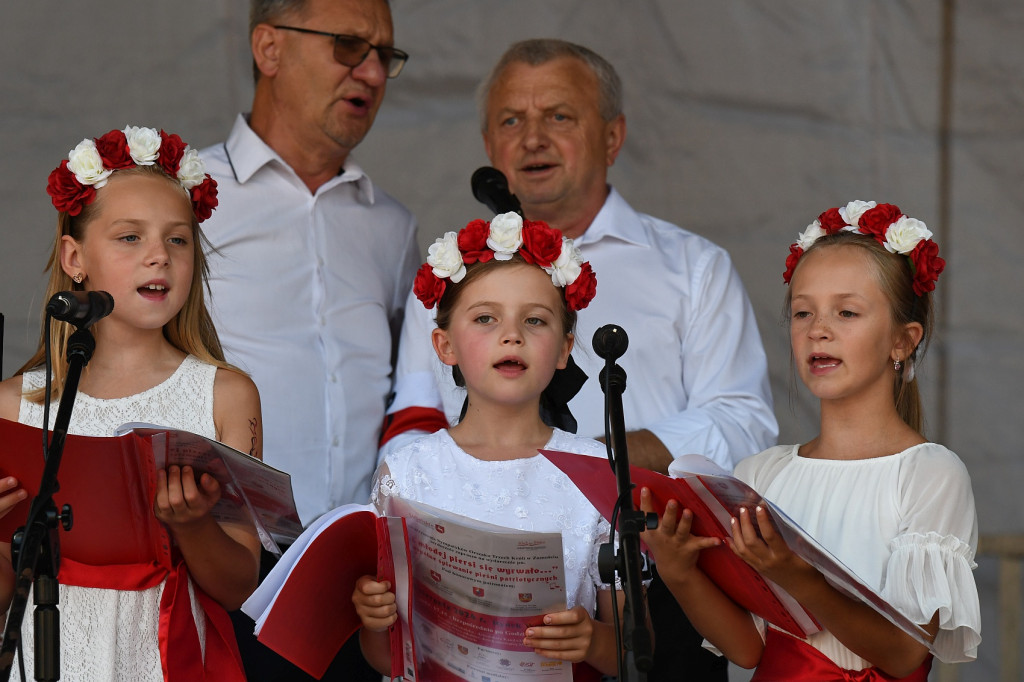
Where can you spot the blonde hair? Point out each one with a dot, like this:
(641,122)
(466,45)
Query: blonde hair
(896,281)
(191,330)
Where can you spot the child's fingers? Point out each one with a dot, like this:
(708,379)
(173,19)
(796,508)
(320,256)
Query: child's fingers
(189,491)
(646,503)
(743,536)
(573,616)
(670,518)
(685,526)
(369,585)
(567,642)
(750,537)
(10,494)
(173,487)
(764,524)
(375,603)
(210,485)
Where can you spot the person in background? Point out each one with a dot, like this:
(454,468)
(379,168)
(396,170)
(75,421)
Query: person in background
(311,261)
(552,122)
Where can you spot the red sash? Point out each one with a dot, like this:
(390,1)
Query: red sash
(180,654)
(788,659)
(420,418)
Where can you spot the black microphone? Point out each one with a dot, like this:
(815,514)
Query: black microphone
(610,342)
(490,188)
(81,308)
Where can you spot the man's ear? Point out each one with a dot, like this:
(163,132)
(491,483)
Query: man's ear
(266,49)
(615,137)
(443,347)
(487,147)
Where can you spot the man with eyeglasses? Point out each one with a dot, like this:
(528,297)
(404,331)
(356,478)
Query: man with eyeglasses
(311,261)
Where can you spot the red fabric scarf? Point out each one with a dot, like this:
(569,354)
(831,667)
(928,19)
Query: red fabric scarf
(788,659)
(180,653)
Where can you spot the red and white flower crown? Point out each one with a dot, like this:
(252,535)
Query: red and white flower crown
(505,235)
(888,226)
(72,185)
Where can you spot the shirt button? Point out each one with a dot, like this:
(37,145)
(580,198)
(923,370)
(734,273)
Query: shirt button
(335,442)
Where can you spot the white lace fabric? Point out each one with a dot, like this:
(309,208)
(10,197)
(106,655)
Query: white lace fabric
(526,494)
(111,635)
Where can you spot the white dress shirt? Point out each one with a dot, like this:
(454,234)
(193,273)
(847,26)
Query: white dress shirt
(696,372)
(307,292)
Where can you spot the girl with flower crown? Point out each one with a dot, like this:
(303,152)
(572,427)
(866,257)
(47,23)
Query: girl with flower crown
(129,204)
(506,293)
(895,508)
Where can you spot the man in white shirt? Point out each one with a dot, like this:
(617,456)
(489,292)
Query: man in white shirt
(697,378)
(310,261)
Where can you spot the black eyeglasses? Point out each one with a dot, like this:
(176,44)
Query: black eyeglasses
(353,50)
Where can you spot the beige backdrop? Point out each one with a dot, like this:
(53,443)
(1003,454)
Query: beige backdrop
(745,120)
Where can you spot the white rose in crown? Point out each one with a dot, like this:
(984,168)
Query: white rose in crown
(506,235)
(445,258)
(191,170)
(905,234)
(567,266)
(87,164)
(811,234)
(852,212)
(143,144)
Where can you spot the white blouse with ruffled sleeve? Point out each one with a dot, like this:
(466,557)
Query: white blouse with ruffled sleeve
(905,524)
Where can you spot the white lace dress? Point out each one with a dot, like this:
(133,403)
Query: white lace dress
(526,494)
(905,524)
(111,635)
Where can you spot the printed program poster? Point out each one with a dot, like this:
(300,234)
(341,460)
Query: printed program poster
(476,588)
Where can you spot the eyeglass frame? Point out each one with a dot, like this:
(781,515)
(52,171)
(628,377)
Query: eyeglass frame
(395,63)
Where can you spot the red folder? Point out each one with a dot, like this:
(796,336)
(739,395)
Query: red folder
(734,576)
(110,483)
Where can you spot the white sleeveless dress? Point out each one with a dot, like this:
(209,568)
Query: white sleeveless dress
(112,634)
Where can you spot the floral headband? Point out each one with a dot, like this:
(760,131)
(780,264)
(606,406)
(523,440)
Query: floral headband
(72,185)
(506,234)
(888,226)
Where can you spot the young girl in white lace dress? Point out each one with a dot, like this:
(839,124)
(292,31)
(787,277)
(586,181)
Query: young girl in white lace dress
(129,207)
(505,330)
(896,509)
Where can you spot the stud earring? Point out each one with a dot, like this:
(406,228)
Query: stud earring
(77,279)
(897,365)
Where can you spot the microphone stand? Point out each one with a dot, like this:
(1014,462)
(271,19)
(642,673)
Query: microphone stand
(627,563)
(35,549)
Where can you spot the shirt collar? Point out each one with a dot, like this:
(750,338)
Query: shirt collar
(615,220)
(248,153)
